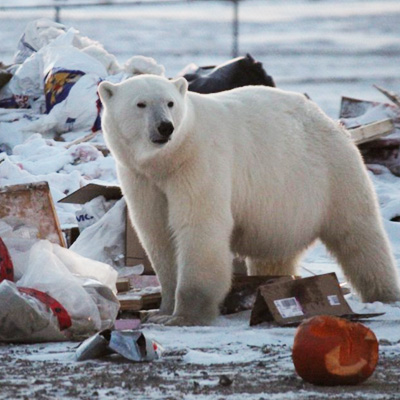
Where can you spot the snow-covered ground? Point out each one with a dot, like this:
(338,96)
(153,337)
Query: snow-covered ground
(323,48)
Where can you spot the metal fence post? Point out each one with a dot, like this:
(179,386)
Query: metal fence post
(235,28)
(57,10)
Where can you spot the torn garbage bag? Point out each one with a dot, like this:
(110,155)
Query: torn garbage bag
(57,294)
(241,71)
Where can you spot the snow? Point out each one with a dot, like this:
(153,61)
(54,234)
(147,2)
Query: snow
(327,49)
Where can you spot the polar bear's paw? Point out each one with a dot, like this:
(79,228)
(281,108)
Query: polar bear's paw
(170,320)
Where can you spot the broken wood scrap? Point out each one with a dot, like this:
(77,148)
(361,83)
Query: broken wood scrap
(370,132)
(82,139)
(136,301)
(123,285)
(392,96)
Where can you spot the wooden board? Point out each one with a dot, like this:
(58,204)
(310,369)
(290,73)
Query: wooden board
(123,285)
(132,301)
(369,132)
(31,205)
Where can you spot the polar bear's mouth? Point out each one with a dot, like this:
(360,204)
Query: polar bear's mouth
(161,140)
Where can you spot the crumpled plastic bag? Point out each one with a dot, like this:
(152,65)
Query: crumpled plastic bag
(105,239)
(70,78)
(235,73)
(92,211)
(37,34)
(58,295)
(59,75)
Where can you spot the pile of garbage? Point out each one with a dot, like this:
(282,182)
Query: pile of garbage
(56,72)
(50,293)
(50,130)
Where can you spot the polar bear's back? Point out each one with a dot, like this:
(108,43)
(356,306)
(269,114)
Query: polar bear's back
(287,159)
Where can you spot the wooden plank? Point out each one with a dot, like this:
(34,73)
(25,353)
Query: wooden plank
(369,132)
(136,301)
(392,96)
(123,285)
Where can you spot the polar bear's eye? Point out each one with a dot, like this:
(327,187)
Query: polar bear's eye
(141,105)
(170,104)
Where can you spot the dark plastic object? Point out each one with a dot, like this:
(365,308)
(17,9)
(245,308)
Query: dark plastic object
(241,71)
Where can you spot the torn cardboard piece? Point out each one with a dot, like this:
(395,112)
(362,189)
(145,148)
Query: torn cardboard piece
(291,301)
(243,292)
(31,206)
(134,252)
(145,294)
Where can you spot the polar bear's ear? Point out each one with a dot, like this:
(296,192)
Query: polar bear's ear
(181,84)
(106,91)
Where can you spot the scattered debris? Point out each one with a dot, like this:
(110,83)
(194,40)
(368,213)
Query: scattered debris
(5,75)
(392,96)
(384,148)
(135,300)
(234,73)
(30,207)
(372,131)
(49,293)
(133,252)
(243,292)
(224,380)
(123,284)
(288,302)
(131,345)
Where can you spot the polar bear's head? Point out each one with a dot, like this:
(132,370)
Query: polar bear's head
(143,112)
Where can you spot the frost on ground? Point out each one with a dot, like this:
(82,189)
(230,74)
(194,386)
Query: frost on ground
(228,361)
(321,48)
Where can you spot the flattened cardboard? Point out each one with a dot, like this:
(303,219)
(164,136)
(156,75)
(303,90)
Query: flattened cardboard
(32,205)
(134,252)
(291,301)
(244,290)
(90,191)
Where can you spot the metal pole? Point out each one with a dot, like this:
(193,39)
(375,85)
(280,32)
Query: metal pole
(57,14)
(235,29)
(57,9)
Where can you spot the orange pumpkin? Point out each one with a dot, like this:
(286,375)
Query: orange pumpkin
(333,351)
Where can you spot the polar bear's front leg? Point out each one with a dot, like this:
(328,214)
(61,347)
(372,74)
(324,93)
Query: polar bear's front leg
(148,211)
(204,260)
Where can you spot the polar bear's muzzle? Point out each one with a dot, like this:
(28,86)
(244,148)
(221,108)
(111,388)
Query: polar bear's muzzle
(164,132)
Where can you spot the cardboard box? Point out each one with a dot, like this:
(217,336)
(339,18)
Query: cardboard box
(134,252)
(32,205)
(243,293)
(288,302)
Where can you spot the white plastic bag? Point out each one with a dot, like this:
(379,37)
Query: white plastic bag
(79,294)
(105,240)
(37,34)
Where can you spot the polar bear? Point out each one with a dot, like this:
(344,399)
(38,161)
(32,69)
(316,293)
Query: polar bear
(254,171)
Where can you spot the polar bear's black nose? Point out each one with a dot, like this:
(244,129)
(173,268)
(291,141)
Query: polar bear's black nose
(165,129)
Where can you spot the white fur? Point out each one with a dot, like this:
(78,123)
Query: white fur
(254,171)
